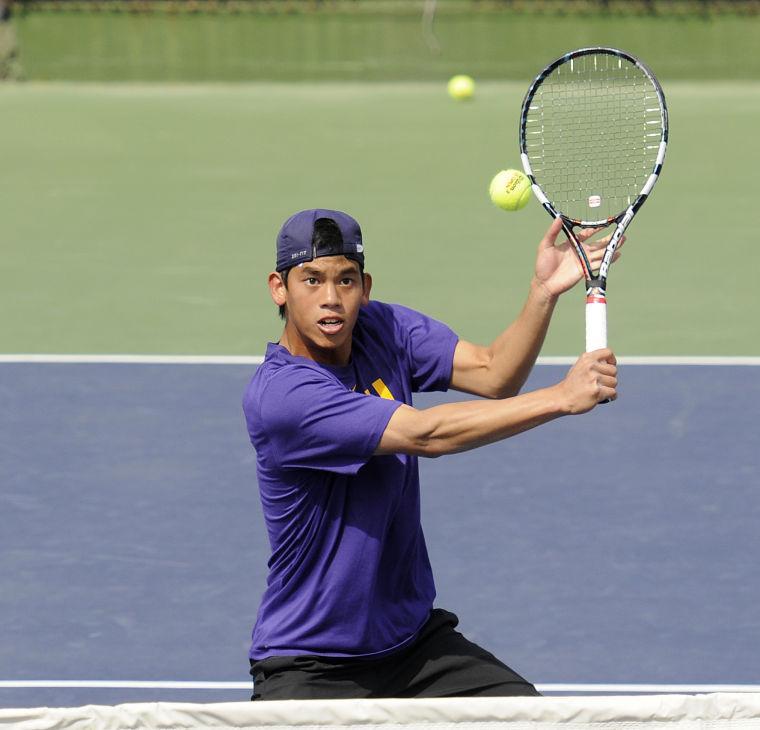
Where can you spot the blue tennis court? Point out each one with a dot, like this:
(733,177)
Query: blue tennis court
(619,547)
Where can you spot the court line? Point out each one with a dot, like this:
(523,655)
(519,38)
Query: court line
(136,359)
(572,688)
(123,359)
(647,688)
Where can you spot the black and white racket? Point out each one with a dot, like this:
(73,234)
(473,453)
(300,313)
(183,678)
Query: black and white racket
(593,134)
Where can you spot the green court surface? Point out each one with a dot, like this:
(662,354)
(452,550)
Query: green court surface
(141,218)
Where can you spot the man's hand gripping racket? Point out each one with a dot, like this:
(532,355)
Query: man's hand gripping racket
(593,135)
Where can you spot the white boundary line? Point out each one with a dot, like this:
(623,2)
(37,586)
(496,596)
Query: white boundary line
(136,359)
(258,359)
(574,688)
(647,688)
(663,360)
(117,684)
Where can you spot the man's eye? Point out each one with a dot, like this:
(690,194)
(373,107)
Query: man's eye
(347,281)
(311,280)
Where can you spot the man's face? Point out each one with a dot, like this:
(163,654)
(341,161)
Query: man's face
(323,298)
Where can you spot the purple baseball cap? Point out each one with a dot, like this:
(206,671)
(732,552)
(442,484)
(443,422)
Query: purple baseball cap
(295,241)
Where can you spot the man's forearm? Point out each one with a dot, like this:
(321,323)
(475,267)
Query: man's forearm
(455,427)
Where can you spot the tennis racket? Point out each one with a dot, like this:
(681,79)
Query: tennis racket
(593,135)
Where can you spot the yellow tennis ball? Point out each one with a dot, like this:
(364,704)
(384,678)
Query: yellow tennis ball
(510,190)
(461,87)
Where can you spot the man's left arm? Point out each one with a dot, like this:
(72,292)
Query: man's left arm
(501,369)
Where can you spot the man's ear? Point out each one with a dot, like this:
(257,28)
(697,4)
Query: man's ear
(367,288)
(277,289)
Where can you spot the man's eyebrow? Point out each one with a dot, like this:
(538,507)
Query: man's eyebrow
(348,270)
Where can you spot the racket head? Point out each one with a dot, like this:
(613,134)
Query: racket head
(593,134)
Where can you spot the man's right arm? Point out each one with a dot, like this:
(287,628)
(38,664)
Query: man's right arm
(455,427)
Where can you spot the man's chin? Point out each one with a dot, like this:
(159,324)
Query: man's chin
(332,349)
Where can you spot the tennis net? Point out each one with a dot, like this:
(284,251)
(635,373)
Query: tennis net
(713,711)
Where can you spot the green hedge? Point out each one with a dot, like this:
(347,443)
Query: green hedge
(346,41)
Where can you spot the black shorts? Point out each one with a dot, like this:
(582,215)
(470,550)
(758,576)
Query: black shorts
(439,663)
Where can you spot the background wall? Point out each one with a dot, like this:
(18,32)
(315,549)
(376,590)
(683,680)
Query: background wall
(373,40)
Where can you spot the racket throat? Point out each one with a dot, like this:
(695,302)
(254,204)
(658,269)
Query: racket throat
(596,288)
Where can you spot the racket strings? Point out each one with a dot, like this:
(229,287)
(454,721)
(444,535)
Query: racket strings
(592,135)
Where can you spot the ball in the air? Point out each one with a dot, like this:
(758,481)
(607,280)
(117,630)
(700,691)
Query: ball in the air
(510,190)
(461,87)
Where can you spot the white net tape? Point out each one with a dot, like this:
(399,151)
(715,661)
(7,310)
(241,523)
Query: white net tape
(703,712)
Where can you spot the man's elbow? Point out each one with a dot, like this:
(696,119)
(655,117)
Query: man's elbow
(432,438)
(415,433)
(425,442)
(434,448)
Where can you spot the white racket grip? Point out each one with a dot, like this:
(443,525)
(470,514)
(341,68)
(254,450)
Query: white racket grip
(596,320)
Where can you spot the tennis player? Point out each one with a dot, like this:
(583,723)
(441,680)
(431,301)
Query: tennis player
(348,609)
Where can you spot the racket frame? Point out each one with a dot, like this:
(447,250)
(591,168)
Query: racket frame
(596,282)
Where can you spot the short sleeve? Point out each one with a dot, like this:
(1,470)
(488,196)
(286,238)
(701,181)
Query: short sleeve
(430,346)
(312,421)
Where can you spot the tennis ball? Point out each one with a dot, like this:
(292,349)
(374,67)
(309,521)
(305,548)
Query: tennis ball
(461,87)
(510,190)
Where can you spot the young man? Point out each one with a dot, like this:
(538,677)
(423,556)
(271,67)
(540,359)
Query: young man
(348,609)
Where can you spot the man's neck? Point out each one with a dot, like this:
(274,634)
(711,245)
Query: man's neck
(298,347)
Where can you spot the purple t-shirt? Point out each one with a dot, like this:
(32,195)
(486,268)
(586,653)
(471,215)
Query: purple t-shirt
(349,573)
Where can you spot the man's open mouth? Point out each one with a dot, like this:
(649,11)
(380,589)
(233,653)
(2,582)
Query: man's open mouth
(330,325)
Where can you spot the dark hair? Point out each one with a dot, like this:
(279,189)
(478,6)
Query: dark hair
(283,308)
(327,240)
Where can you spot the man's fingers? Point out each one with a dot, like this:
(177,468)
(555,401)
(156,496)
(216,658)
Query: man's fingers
(605,368)
(601,243)
(609,386)
(586,233)
(550,239)
(607,394)
(603,361)
(593,379)
(604,354)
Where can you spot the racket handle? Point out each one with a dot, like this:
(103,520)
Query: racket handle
(596,319)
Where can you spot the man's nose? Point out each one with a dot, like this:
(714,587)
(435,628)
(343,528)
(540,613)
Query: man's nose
(331,297)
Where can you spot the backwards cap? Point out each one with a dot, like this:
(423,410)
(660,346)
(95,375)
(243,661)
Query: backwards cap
(295,241)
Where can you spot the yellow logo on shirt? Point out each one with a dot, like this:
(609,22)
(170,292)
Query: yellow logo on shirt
(381,389)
